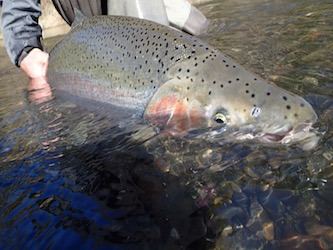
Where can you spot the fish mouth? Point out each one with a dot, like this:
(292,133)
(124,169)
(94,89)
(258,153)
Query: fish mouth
(269,137)
(304,133)
(292,134)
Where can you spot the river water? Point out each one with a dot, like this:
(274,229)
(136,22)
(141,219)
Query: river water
(72,176)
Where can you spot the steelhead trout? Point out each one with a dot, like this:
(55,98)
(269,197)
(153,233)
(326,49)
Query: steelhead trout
(176,81)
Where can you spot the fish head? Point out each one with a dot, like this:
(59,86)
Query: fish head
(256,109)
(225,95)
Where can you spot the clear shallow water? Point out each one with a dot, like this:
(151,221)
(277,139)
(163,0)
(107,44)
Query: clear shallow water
(72,178)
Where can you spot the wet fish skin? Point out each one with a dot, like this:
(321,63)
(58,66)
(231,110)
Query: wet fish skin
(175,80)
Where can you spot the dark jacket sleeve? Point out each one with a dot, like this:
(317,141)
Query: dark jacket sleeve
(19,24)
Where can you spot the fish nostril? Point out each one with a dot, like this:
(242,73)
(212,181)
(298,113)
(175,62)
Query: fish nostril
(255,112)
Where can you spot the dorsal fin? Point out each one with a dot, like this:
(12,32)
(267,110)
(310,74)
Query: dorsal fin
(79,18)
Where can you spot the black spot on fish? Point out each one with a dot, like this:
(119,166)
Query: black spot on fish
(221,86)
(210,92)
(253,95)
(268,93)
(288,107)
(285,98)
(302,104)
(296,115)
(285,117)
(229,81)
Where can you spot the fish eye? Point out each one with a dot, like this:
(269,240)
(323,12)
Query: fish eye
(220,118)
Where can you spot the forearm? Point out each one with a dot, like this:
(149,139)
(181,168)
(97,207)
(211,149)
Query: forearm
(186,17)
(20,28)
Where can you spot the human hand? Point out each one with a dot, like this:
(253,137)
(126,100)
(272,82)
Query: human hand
(35,63)
(39,90)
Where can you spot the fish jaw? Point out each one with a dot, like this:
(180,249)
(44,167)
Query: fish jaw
(285,122)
